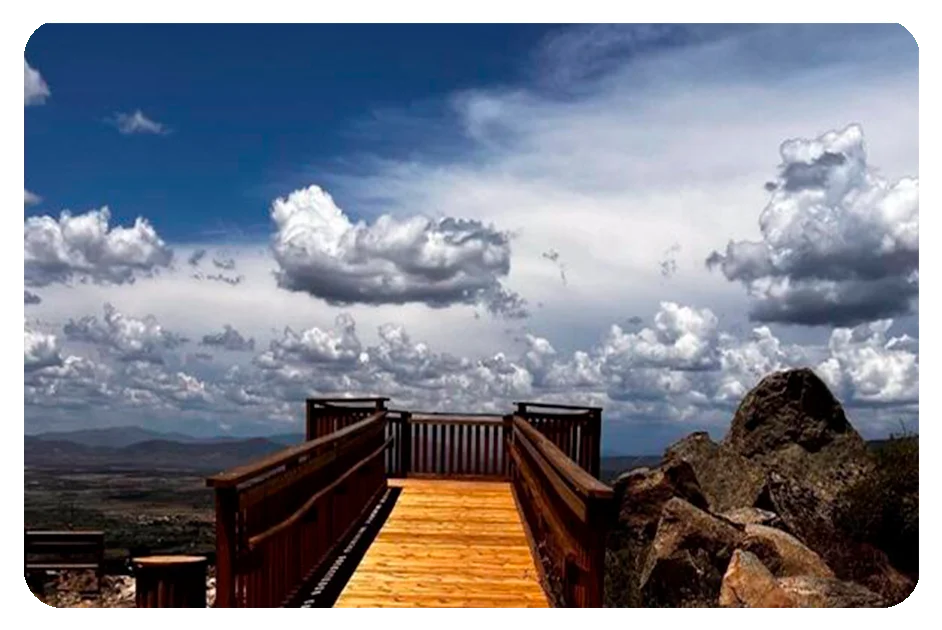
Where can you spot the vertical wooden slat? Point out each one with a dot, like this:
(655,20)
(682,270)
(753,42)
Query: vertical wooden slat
(472,449)
(459,469)
(425,448)
(449,464)
(485,449)
(407,440)
(482,449)
(441,450)
(495,461)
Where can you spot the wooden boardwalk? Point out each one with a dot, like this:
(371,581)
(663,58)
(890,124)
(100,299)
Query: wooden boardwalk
(448,544)
(316,525)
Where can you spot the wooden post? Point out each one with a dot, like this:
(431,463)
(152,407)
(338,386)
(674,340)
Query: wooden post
(227,507)
(309,420)
(405,448)
(170,582)
(506,432)
(596,452)
(600,514)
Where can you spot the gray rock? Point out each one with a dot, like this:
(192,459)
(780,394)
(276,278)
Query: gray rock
(753,516)
(641,495)
(688,557)
(820,592)
(790,423)
(810,519)
(728,479)
(783,554)
(748,583)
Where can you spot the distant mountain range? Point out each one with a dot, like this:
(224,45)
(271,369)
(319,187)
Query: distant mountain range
(118,437)
(135,448)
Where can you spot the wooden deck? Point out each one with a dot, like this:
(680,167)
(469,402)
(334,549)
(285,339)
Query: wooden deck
(448,544)
(308,526)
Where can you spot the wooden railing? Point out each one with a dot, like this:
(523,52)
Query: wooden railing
(575,430)
(326,415)
(279,518)
(454,446)
(567,513)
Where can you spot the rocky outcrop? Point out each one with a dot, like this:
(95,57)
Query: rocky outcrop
(748,583)
(790,423)
(641,495)
(727,479)
(819,592)
(806,515)
(782,553)
(766,492)
(688,557)
(644,491)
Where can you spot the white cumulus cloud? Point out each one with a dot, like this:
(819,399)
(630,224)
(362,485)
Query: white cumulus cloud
(85,247)
(438,262)
(840,244)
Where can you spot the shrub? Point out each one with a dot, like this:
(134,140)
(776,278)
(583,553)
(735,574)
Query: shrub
(882,509)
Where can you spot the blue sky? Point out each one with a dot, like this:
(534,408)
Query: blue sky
(462,216)
(248,108)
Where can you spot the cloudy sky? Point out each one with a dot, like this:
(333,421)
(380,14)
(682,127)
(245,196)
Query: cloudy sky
(223,220)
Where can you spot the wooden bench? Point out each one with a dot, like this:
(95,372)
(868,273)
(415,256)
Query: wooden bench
(64,550)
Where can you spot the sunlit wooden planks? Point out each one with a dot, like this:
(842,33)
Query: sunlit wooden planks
(448,544)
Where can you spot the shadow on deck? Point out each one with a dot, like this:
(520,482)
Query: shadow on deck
(388,508)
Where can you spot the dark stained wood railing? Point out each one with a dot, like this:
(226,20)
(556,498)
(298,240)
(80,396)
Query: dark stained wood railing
(567,513)
(399,456)
(575,430)
(279,518)
(455,446)
(326,415)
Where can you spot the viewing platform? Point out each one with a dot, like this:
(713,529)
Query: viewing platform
(386,508)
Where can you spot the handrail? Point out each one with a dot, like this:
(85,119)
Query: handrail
(454,414)
(566,513)
(456,419)
(522,405)
(256,540)
(289,455)
(580,480)
(374,399)
(279,519)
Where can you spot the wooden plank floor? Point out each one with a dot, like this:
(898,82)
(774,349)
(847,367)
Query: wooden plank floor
(448,544)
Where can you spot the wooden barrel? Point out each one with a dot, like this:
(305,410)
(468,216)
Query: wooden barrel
(170,582)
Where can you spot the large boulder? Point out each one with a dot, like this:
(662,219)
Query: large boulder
(728,479)
(792,424)
(641,495)
(749,584)
(821,592)
(688,557)
(783,554)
